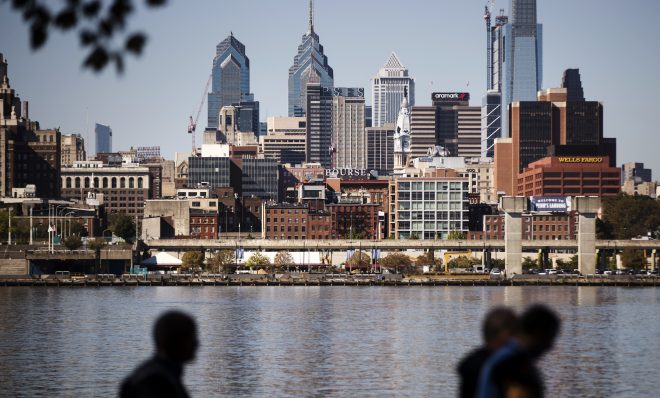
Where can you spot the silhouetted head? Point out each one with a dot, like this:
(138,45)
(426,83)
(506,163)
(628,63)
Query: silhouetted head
(539,328)
(175,334)
(499,325)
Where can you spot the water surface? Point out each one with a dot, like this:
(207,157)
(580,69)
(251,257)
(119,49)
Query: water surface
(319,341)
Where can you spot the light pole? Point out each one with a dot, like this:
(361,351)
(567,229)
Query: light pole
(9,229)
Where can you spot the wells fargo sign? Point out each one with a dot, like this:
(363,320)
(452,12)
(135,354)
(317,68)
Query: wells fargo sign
(581,159)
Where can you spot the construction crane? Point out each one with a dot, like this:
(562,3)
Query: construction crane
(192,125)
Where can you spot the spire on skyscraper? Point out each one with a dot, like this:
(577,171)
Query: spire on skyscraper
(311,16)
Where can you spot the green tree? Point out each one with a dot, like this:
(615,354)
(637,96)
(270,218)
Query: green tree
(456,235)
(463,262)
(192,260)
(123,226)
(258,260)
(530,263)
(359,259)
(78,229)
(428,258)
(628,216)
(397,261)
(72,242)
(283,260)
(497,263)
(633,259)
(223,261)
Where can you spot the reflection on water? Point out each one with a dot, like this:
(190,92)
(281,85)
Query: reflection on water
(319,341)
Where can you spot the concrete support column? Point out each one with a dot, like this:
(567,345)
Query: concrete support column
(513,207)
(587,208)
(653,262)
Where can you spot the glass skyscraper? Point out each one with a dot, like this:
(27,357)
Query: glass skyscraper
(521,60)
(389,86)
(310,57)
(230,78)
(103,135)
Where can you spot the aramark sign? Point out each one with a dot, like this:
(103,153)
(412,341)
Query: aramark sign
(354,173)
(554,204)
(450,97)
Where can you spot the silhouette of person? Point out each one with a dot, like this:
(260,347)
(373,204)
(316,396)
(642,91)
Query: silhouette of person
(499,325)
(175,336)
(511,371)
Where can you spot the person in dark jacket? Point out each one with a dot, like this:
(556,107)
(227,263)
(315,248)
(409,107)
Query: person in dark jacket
(498,327)
(512,371)
(175,336)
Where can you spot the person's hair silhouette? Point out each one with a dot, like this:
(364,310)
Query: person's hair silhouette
(497,328)
(175,336)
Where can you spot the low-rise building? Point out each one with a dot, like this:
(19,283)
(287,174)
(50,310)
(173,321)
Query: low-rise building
(570,176)
(125,189)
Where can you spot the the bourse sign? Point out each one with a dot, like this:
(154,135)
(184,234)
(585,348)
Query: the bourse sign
(350,173)
(554,204)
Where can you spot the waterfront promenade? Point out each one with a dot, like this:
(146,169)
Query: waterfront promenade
(312,279)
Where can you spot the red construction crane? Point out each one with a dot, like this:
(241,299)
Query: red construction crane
(192,126)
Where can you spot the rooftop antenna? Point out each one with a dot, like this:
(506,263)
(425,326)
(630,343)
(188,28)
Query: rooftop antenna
(311,16)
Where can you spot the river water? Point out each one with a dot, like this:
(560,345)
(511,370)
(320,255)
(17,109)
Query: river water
(319,341)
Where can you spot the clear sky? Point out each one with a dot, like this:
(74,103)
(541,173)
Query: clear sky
(442,42)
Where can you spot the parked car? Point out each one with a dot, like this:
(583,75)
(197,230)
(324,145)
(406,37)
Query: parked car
(495,272)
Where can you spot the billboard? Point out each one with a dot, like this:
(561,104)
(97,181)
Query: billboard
(454,96)
(554,204)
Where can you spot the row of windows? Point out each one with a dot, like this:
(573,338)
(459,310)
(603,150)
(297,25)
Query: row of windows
(106,182)
(432,186)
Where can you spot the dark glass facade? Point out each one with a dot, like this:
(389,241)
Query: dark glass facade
(260,178)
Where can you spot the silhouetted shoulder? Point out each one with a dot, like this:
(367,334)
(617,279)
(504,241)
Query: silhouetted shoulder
(154,378)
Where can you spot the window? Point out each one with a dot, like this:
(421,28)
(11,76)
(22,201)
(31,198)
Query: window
(195,204)
(68,182)
(131,182)
(122,182)
(114,182)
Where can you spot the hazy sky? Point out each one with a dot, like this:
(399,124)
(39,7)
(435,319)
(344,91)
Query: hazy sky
(442,42)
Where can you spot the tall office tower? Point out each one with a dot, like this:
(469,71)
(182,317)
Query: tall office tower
(572,82)
(103,136)
(447,106)
(3,67)
(319,122)
(491,122)
(491,103)
(390,85)
(286,139)
(521,57)
(248,116)
(422,130)
(468,131)
(531,132)
(380,149)
(310,58)
(494,49)
(349,141)
(230,78)
(229,131)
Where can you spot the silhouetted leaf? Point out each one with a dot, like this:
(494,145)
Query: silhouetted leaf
(38,35)
(91,9)
(19,3)
(155,3)
(66,19)
(87,37)
(106,28)
(97,59)
(135,43)
(119,10)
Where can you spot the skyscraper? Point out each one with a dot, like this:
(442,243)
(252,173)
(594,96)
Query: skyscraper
(521,57)
(349,140)
(310,58)
(319,122)
(103,140)
(389,86)
(230,78)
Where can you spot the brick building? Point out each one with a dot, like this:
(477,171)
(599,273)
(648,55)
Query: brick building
(295,221)
(534,227)
(570,176)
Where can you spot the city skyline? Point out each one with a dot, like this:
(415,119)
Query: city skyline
(149,115)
